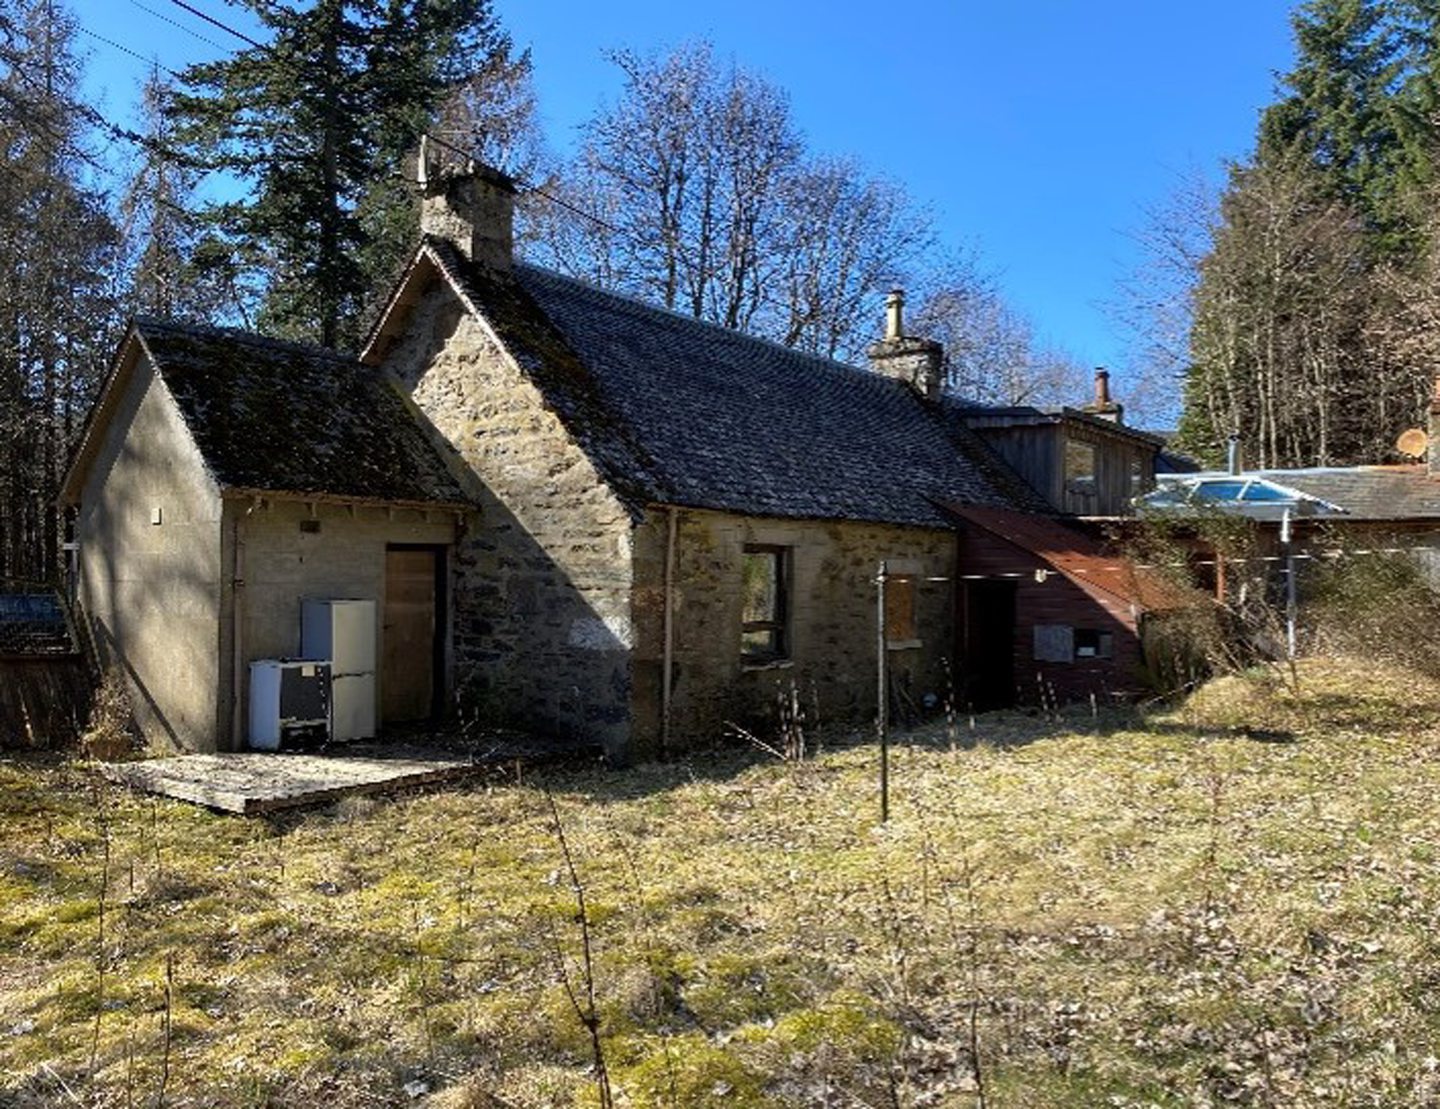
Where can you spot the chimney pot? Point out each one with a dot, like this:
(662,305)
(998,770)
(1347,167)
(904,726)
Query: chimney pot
(1104,405)
(894,314)
(1102,387)
(1232,454)
(917,362)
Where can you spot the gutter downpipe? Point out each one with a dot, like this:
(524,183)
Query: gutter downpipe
(237,626)
(671,532)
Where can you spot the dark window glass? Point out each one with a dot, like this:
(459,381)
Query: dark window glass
(764,603)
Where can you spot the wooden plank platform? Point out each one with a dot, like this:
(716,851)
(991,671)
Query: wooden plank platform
(253,782)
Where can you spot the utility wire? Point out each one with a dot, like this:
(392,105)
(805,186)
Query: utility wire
(524,185)
(176,23)
(125,50)
(210,19)
(437,139)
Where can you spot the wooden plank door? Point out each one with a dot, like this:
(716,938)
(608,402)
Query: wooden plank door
(408,635)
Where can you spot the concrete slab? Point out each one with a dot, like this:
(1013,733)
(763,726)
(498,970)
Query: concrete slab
(254,782)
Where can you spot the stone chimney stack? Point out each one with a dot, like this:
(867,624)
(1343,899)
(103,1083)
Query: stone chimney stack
(917,362)
(471,208)
(1103,405)
(1432,445)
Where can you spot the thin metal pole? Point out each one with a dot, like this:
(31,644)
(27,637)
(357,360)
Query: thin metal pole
(668,652)
(882,693)
(1288,543)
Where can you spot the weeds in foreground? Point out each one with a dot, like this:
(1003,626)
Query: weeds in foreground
(108,735)
(582,998)
(1119,910)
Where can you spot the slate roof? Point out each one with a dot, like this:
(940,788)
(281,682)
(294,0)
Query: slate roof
(1365,492)
(678,411)
(291,418)
(1173,462)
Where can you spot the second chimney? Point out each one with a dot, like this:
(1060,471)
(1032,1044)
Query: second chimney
(917,362)
(1103,406)
(474,210)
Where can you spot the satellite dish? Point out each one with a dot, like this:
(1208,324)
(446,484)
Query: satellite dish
(1412,443)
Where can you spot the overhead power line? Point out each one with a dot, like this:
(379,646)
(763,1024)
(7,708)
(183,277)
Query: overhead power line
(527,186)
(152,60)
(210,19)
(176,23)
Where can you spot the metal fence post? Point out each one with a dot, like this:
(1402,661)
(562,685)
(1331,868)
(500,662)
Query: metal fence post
(882,693)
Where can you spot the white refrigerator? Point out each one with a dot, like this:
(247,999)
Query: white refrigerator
(343,632)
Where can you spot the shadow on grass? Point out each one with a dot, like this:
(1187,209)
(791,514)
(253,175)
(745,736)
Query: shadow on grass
(529,762)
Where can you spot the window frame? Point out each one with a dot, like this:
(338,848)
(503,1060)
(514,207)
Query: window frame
(1068,643)
(779,624)
(1085,484)
(1091,644)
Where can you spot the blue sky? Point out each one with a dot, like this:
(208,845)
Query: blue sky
(1038,134)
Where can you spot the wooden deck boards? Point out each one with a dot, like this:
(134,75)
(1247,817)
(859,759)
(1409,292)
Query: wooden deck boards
(249,783)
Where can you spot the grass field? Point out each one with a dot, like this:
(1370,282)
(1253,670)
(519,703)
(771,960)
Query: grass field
(1232,902)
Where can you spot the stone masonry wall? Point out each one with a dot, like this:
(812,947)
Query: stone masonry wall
(832,621)
(542,628)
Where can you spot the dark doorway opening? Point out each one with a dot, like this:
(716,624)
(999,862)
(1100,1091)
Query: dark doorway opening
(412,666)
(987,626)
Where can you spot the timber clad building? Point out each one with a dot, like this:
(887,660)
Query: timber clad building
(578,513)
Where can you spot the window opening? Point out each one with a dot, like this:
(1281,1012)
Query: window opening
(765,603)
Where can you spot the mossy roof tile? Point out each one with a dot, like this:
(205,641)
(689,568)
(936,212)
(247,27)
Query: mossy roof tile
(684,412)
(292,418)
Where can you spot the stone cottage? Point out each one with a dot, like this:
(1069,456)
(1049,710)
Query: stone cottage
(221,478)
(641,526)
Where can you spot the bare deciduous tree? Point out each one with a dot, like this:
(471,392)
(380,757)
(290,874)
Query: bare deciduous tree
(1276,340)
(707,203)
(991,353)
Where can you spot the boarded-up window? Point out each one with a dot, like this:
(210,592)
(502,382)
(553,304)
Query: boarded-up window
(1054,643)
(765,603)
(900,609)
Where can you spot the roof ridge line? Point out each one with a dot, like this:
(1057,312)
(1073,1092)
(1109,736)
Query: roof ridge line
(821,361)
(143,322)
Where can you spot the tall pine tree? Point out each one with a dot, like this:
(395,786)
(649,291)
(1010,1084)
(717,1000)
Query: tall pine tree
(313,120)
(57,244)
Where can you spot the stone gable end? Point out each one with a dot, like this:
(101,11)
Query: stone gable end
(542,583)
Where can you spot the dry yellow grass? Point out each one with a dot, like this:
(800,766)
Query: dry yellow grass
(1230,902)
